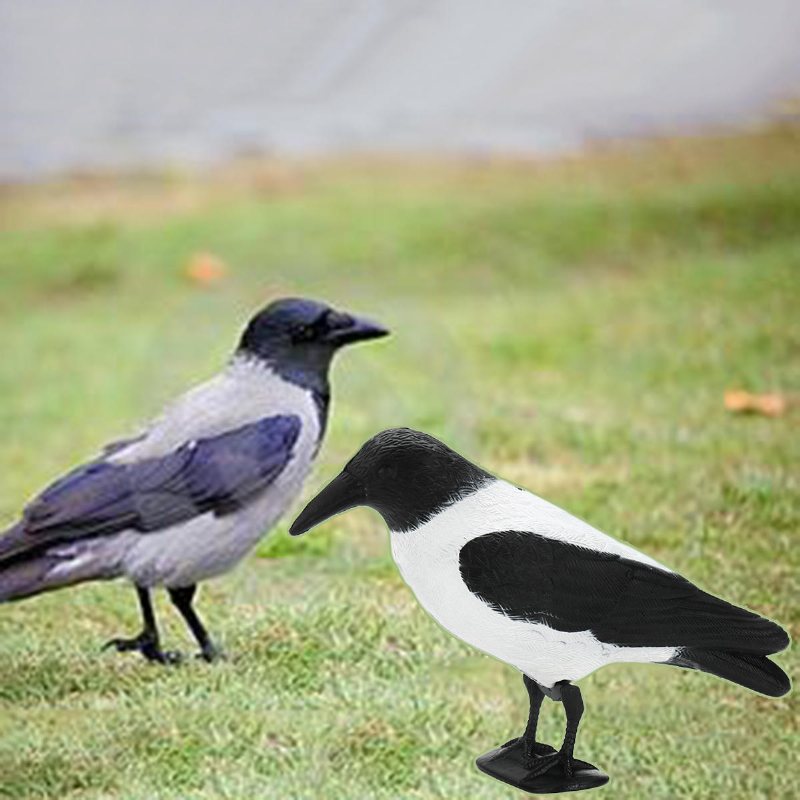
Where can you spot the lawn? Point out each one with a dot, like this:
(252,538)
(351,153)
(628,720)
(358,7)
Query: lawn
(571,325)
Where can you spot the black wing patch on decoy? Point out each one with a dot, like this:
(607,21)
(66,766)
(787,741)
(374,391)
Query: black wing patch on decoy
(219,474)
(621,601)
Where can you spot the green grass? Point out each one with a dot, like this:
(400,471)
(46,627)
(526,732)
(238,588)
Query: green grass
(572,326)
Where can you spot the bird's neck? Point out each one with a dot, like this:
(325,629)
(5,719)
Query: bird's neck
(322,401)
(309,375)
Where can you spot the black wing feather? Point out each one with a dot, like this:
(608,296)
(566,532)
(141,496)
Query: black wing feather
(621,601)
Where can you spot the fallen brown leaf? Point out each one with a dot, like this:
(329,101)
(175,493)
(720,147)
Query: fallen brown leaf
(205,269)
(768,405)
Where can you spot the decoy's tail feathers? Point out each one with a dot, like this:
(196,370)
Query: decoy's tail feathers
(738,649)
(24,573)
(750,670)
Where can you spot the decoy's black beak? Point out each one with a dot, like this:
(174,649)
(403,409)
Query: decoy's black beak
(343,492)
(358,329)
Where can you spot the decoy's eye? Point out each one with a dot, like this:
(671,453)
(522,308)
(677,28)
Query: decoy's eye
(387,471)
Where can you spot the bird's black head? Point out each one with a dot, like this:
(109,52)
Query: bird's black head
(405,475)
(298,338)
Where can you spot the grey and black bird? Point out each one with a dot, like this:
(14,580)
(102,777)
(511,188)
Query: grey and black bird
(193,493)
(532,585)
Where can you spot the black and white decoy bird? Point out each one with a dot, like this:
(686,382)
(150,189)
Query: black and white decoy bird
(528,583)
(199,487)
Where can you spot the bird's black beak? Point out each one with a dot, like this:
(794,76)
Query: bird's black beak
(357,329)
(343,492)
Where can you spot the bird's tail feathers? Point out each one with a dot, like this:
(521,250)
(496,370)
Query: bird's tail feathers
(12,541)
(55,567)
(750,670)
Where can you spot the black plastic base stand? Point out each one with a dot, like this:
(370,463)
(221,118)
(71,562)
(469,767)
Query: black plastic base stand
(507,764)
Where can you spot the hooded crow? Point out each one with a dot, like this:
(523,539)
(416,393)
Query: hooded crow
(528,583)
(196,490)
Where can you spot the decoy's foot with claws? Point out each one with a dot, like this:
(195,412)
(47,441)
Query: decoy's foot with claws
(539,764)
(531,750)
(148,646)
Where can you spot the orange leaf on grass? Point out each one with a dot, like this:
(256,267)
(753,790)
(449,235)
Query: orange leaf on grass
(205,269)
(768,405)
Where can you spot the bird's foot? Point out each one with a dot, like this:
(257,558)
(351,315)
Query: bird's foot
(210,653)
(146,644)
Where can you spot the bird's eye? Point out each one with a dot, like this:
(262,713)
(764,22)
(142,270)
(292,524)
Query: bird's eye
(302,333)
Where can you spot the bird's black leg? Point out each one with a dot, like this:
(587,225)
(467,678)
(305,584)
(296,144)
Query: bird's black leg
(573,708)
(147,642)
(182,599)
(532,748)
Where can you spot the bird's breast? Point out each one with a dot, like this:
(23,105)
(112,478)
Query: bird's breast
(211,544)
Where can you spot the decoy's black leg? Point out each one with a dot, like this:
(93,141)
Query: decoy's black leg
(182,599)
(538,768)
(573,708)
(147,642)
(535,697)
(532,748)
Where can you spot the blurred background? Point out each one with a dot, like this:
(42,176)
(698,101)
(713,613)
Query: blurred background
(91,84)
(581,220)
